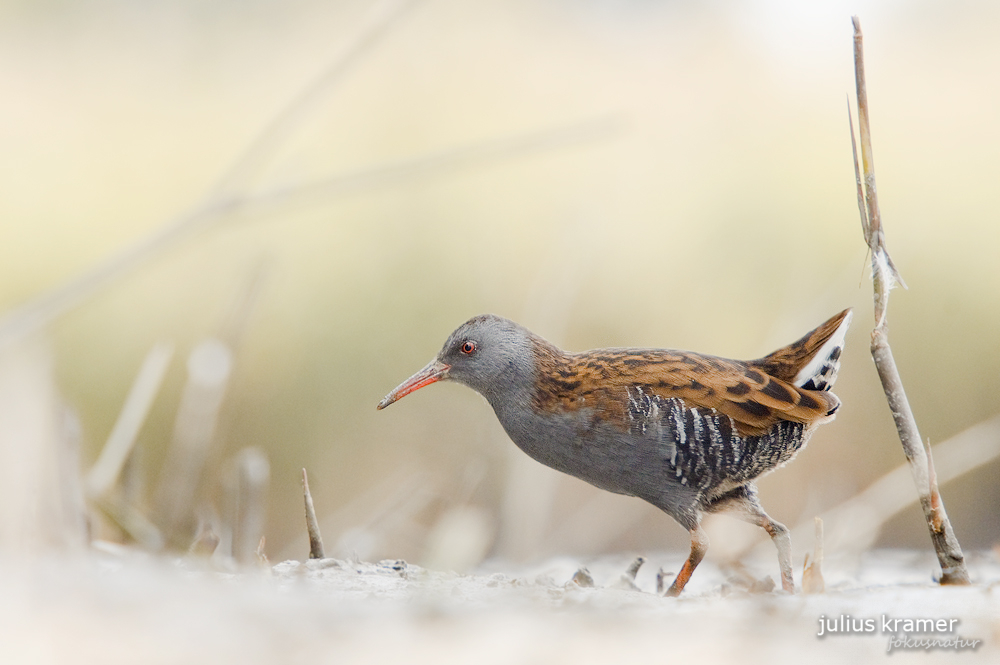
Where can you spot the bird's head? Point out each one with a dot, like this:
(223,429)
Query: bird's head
(488,353)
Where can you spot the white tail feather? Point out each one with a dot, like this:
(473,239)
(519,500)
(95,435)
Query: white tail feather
(822,368)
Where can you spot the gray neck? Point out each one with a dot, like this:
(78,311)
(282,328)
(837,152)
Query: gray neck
(511,390)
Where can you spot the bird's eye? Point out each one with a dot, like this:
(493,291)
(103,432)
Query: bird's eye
(468,347)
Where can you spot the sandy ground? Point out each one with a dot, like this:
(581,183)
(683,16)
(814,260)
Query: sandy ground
(138,609)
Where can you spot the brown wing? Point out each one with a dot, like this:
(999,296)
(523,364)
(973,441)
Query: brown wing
(754,400)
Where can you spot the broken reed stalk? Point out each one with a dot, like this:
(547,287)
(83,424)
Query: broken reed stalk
(884,277)
(812,571)
(253,475)
(261,553)
(312,524)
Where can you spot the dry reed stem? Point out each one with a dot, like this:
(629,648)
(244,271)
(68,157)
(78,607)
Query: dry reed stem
(206,541)
(106,469)
(253,472)
(262,554)
(312,524)
(209,369)
(812,571)
(130,520)
(884,276)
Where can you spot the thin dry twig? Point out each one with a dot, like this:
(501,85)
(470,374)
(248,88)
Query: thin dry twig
(312,524)
(884,277)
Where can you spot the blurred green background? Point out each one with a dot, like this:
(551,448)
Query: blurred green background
(715,211)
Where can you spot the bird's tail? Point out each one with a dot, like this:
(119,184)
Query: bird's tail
(812,362)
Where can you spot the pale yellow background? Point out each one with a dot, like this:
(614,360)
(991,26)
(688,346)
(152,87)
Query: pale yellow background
(719,215)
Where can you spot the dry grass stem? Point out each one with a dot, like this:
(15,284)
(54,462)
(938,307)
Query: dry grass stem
(136,526)
(812,571)
(254,477)
(41,497)
(209,368)
(261,554)
(312,524)
(118,447)
(206,541)
(884,276)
